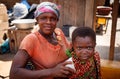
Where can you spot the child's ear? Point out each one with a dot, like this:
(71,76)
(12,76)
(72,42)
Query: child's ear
(71,47)
(95,44)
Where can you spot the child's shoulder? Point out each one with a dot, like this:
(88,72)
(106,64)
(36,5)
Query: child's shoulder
(97,56)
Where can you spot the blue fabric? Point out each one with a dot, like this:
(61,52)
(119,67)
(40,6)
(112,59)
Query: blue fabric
(5,46)
(26,3)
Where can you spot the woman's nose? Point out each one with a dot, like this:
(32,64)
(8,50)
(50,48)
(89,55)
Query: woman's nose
(48,21)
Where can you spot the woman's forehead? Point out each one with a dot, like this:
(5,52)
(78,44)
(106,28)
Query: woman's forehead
(47,14)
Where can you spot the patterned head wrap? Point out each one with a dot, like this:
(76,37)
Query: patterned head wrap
(47,7)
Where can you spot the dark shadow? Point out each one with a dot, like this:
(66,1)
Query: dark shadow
(6,56)
(99,33)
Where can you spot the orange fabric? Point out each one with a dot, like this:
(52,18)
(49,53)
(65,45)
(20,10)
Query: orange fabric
(43,54)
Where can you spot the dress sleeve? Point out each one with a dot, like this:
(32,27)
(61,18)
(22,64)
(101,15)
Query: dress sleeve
(28,44)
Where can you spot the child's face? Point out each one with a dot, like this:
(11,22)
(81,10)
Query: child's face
(84,47)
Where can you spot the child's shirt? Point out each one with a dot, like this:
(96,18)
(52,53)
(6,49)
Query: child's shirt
(87,70)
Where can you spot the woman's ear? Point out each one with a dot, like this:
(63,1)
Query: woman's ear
(37,19)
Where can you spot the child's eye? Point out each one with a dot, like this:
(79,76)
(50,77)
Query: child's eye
(90,48)
(79,48)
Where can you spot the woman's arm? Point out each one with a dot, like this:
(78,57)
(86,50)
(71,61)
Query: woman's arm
(18,70)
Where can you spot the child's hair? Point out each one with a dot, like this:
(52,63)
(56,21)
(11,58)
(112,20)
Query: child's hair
(83,32)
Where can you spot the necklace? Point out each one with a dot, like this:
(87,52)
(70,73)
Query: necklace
(51,38)
(85,70)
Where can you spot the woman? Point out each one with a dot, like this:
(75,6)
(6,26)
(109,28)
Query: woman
(45,48)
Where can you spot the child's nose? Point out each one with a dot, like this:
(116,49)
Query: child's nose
(84,50)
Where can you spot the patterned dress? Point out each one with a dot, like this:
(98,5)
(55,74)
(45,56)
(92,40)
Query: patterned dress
(87,70)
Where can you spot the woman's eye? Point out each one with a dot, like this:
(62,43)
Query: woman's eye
(43,18)
(53,19)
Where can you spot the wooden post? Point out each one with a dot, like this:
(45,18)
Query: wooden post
(90,13)
(113,30)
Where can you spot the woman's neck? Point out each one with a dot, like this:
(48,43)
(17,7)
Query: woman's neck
(47,36)
(51,38)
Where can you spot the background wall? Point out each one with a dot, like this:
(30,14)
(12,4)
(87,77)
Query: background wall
(10,3)
(73,12)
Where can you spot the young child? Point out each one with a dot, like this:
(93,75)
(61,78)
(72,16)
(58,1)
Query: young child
(86,60)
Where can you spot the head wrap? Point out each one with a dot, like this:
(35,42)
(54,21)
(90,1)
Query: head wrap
(47,7)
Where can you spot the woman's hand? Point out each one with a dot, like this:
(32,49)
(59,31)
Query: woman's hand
(61,70)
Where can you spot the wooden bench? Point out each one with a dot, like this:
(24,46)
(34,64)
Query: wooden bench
(110,69)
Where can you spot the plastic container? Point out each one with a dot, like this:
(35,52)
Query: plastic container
(102,10)
(24,23)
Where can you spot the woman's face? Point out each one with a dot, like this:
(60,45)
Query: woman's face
(84,47)
(47,22)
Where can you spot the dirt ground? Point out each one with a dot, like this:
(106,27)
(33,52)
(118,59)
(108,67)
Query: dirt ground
(5,59)
(5,64)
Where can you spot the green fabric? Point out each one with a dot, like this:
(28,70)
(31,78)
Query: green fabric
(68,53)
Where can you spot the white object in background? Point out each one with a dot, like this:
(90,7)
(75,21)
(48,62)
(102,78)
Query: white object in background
(24,23)
(19,10)
(70,65)
(71,29)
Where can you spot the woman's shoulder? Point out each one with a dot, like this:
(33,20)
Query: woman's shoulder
(29,40)
(31,36)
